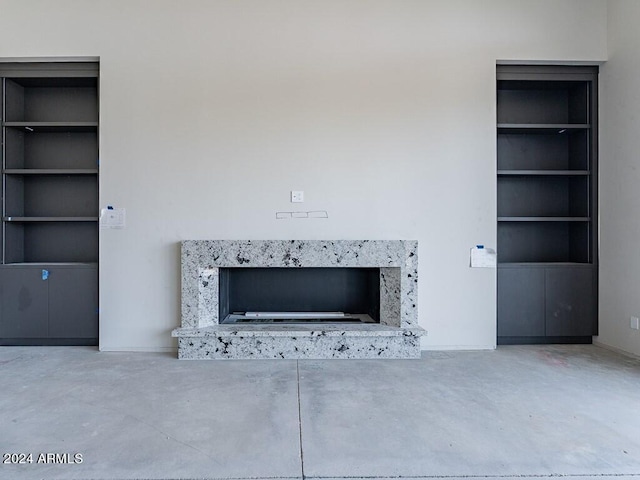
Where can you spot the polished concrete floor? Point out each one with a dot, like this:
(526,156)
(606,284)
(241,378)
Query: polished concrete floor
(525,412)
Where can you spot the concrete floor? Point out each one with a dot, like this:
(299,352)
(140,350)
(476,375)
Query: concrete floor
(519,412)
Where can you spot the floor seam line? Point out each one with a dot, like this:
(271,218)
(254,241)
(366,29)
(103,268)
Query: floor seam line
(475,476)
(300,420)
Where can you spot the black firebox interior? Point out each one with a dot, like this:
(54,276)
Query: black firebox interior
(348,290)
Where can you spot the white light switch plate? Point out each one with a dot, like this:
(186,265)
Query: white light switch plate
(297,196)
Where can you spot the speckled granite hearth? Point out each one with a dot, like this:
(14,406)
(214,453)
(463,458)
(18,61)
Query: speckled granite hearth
(201,336)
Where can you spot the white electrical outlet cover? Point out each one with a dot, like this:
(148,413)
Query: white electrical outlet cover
(297,196)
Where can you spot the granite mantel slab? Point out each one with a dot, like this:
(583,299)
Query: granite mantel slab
(396,336)
(397,260)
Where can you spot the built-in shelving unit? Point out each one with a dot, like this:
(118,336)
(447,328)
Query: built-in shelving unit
(49,202)
(547,197)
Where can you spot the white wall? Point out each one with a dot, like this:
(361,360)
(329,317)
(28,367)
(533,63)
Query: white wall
(383,112)
(620,179)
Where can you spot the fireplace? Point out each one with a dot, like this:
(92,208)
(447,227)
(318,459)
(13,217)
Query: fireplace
(299,295)
(299,299)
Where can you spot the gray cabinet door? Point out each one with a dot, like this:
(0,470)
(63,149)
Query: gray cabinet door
(570,301)
(521,302)
(23,295)
(73,302)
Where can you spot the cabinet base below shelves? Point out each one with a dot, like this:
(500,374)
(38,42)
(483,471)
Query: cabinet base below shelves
(48,342)
(545,340)
(50,264)
(545,264)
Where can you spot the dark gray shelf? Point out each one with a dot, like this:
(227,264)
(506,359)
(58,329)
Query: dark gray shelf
(541,173)
(544,219)
(51,171)
(34,127)
(545,128)
(50,219)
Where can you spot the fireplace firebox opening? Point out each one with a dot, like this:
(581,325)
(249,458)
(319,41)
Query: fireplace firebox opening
(299,295)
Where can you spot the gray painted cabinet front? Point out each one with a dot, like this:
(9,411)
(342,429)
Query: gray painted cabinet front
(521,302)
(73,302)
(547,301)
(570,306)
(59,302)
(24,299)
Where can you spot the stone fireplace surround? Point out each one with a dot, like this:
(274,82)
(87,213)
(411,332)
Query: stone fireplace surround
(201,336)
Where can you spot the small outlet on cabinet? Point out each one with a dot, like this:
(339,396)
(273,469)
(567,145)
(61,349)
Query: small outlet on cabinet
(297,196)
(634,323)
